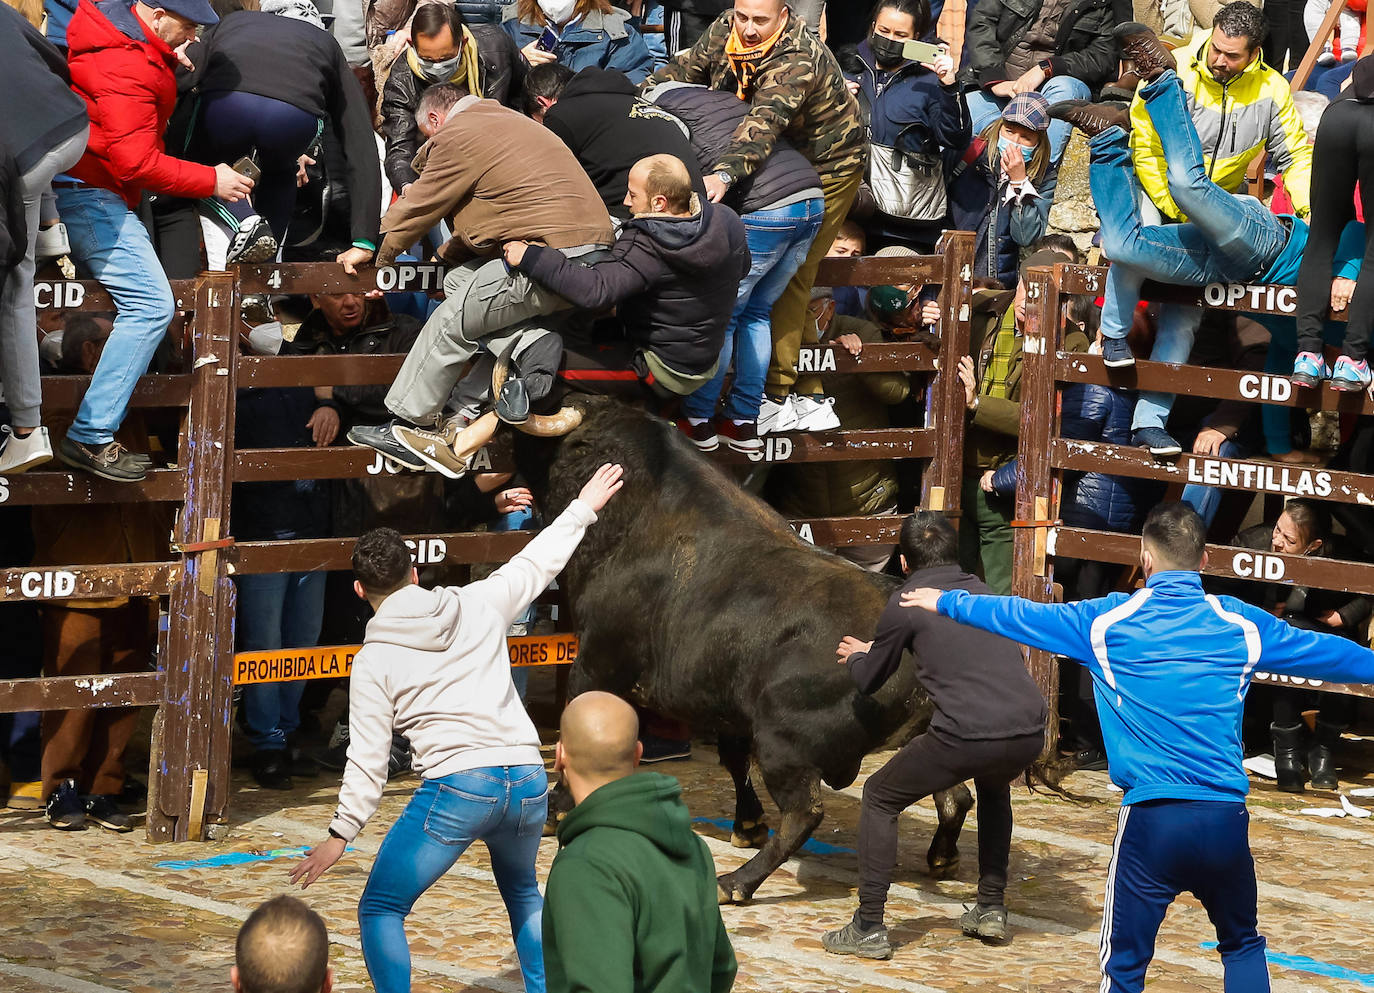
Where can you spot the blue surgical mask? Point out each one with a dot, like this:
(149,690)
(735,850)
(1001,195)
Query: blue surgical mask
(1027,151)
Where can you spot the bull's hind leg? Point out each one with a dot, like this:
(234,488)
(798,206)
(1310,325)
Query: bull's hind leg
(797,792)
(953,806)
(749,830)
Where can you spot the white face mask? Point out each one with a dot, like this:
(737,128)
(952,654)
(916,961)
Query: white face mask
(266,339)
(557,11)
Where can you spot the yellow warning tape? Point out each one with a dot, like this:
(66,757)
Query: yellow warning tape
(337,660)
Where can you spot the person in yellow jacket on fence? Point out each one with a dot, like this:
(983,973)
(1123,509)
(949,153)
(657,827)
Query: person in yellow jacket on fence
(1239,105)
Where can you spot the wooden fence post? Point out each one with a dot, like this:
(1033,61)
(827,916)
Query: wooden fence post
(193,726)
(943,480)
(1032,571)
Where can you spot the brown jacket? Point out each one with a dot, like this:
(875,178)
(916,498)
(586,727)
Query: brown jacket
(496,176)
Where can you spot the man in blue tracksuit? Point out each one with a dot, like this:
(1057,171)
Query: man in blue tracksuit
(1170,666)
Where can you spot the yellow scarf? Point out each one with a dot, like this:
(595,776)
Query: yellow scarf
(468,74)
(745,61)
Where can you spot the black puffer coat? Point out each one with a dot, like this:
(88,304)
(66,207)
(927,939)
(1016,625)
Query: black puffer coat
(502,80)
(1083,43)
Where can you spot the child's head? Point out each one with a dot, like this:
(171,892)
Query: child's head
(849,242)
(1024,124)
(1302,528)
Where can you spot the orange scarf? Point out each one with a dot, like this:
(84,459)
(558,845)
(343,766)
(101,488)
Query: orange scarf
(745,61)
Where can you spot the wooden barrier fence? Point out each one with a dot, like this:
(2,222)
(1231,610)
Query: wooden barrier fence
(192,684)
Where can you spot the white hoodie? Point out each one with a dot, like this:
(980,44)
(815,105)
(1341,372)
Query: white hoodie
(434,666)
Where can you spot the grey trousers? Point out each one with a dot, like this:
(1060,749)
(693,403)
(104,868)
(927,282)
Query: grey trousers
(18,315)
(484,306)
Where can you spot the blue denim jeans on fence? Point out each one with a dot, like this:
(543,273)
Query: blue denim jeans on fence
(984,108)
(778,242)
(277,610)
(504,806)
(110,243)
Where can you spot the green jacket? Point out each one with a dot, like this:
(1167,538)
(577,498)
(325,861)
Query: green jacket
(799,96)
(630,904)
(842,489)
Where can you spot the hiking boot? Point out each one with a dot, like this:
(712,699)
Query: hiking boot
(1309,369)
(1092,118)
(108,461)
(851,940)
(702,435)
(1350,376)
(816,413)
(1157,441)
(988,923)
(1142,46)
(21,452)
(776,416)
(252,242)
(103,811)
(513,402)
(1123,88)
(742,436)
(66,811)
(1116,353)
(271,769)
(380,438)
(1289,771)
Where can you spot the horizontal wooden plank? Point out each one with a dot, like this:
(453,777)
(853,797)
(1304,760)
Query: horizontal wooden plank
(1222,384)
(873,271)
(317,370)
(65,392)
(1205,470)
(1247,298)
(89,582)
(48,485)
(883,529)
(133,689)
(328,277)
(89,295)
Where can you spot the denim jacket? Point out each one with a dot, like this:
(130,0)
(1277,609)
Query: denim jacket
(607,41)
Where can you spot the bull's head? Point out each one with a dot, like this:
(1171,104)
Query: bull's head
(480,432)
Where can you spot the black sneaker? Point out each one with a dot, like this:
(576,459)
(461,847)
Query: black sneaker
(252,242)
(988,923)
(849,940)
(658,749)
(66,811)
(1090,760)
(513,402)
(103,811)
(335,754)
(109,461)
(1116,353)
(272,769)
(399,760)
(380,438)
(1157,441)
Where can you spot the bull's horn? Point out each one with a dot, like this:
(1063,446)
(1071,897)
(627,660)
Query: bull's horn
(552,425)
(501,370)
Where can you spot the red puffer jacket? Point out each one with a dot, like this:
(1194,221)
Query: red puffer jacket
(129,89)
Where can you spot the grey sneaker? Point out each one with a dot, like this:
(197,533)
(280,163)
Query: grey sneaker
(379,437)
(109,461)
(988,923)
(849,940)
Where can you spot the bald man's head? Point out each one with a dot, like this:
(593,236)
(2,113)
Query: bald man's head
(598,740)
(660,184)
(283,947)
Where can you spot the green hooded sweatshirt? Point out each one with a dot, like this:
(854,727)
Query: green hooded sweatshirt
(631,900)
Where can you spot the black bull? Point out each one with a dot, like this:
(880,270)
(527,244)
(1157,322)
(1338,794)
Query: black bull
(696,599)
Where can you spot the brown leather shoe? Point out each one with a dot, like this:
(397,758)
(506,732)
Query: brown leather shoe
(1123,88)
(1091,118)
(1143,47)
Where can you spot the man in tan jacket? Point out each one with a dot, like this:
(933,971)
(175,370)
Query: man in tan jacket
(496,176)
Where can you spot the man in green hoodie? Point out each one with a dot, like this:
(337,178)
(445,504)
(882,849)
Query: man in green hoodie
(631,899)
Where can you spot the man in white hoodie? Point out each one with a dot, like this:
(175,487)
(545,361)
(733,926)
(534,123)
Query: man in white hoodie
(434,667)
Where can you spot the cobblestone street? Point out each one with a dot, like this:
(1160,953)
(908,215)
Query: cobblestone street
(92,911)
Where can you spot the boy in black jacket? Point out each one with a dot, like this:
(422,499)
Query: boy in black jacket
(989,725)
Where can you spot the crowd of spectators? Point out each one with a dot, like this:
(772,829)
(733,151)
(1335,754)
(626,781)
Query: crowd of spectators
(635,198)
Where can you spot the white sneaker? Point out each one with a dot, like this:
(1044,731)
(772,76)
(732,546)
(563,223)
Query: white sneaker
(252,242)
(52,242)
(18,454)
(777,417)
(814,413)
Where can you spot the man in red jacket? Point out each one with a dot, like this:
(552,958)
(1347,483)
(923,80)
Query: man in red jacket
(121,58)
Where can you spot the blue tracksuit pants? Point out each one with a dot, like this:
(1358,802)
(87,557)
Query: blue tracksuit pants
(1167,847)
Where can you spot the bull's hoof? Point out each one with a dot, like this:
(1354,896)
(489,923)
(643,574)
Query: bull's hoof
(551,823)
(749,834)
(727,891)
(943,866)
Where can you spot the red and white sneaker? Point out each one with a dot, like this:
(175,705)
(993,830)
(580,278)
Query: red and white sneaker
(702,435)
(741,436)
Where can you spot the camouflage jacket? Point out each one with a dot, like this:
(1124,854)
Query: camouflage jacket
(799,95)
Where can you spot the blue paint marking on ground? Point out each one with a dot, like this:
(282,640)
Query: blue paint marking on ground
(814,847)
(236,858)
(1301,963)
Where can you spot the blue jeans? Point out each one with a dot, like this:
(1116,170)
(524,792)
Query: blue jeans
(1206,499)
(277,610)
(110,243)
(502,806)
(984,108)
(778,242)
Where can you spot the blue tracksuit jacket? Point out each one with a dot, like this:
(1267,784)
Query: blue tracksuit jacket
(1170,666)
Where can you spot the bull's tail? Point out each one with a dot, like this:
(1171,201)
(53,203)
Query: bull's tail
(1049,772)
